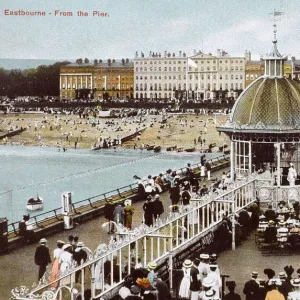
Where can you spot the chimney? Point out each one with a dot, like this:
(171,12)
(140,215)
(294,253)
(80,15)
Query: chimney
(165,55)
(218,53)
(179,53)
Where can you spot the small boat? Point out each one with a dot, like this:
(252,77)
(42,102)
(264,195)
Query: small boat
(150,147)
(171,148)
(157,149)
(190,150)
(35,204)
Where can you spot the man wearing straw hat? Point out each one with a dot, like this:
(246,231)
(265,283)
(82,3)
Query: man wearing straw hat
(251,287)
(195,285)
(42,257)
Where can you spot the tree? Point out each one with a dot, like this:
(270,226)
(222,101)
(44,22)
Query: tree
(86,61)
(96,62)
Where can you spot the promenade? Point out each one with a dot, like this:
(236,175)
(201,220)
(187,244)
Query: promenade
(20,269)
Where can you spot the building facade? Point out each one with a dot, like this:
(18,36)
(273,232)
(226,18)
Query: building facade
(199,77)
(159,76)
(255,69)
(101,80)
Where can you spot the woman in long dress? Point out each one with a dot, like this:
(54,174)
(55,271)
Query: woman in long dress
(184,289)
(292,174)
(54,275)
(99,267)
(66,262)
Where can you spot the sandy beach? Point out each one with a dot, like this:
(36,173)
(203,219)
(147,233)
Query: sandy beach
(182,130)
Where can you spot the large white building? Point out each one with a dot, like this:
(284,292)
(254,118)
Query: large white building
(198,77)
(159,76)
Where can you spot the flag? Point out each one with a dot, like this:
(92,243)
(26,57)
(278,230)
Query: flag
(192,63)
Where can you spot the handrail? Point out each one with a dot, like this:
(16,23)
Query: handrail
(99,197)
(208,218)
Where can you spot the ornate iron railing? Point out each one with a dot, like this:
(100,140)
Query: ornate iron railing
(106,267)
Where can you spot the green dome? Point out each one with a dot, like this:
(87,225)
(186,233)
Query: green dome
(268,103)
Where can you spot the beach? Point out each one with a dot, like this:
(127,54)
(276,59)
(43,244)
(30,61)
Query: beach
(186,131)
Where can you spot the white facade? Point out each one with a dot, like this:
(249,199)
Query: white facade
(157,77)
(207,77)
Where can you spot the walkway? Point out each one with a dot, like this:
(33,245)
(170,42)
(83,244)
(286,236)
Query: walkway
(20,268)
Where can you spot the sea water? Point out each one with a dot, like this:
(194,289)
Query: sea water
(47,172)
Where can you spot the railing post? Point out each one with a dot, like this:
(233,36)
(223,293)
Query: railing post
(233,222)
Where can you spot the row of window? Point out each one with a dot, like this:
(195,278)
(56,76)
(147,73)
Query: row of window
(170,87)
(145,62)
(178,69)
(98,86)
(191,77)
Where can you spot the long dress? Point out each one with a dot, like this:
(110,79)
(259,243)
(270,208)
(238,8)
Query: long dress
(292,174)
(54,275)
(184,289)
(99,267)
(129,210)
(66,261)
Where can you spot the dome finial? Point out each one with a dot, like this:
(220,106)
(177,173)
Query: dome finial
(275,14)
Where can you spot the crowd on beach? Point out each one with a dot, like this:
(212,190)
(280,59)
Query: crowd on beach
(86,129)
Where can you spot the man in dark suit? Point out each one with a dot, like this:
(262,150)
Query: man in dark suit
(80,256)
(271,233)
(195,285)
(270,214)
(42,257)
(251,287)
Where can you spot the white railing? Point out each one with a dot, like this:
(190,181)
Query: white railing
(107,266)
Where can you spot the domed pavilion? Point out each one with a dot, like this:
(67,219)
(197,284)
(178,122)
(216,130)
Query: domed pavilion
(264,125)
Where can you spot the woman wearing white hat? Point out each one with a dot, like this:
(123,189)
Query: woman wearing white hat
(295,295)
(66,262)
(184,289)
(99,268)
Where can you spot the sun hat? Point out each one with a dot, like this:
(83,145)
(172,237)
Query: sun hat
(43,241)
(152,265)
(80,244)
(66,246)
(60,242)
(275,282)
(187,263)
(295,282)
(254,274)
(209,293)
(156,196)
(204,256)
(127,202)
(208,282)
(281,275)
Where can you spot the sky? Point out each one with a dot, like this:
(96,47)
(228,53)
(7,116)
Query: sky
(146,25)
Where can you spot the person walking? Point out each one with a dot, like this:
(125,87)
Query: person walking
(231,295)
(119,214)
(251,287)
(148,211)
(208,169)
(66,262)
(195,285)
(42,257)
(55,266)
(79,256)
(129,211)
(158,207)
(184,289)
